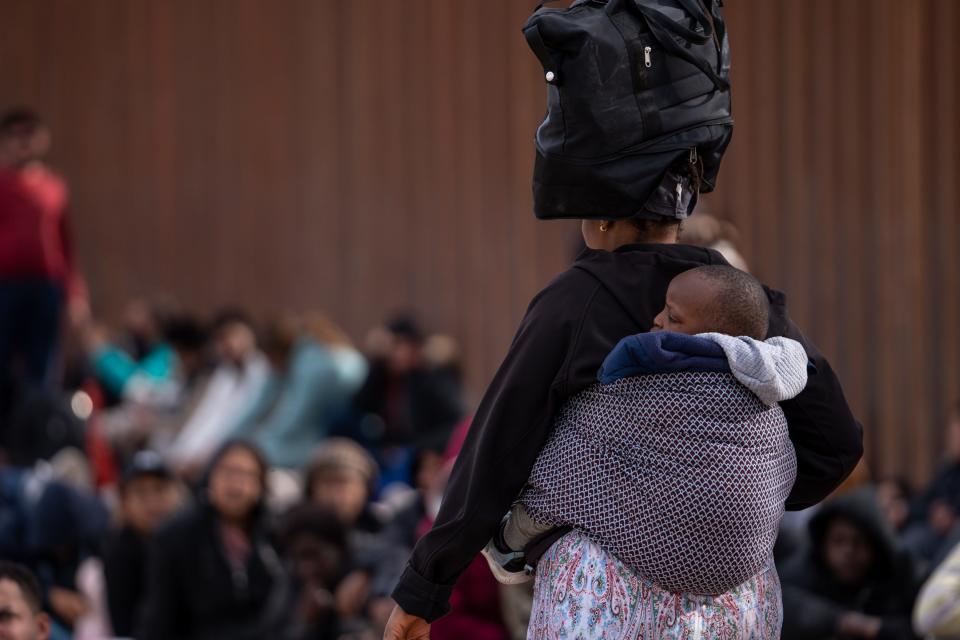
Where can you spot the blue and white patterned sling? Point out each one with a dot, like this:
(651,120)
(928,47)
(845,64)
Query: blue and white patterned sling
(673,472)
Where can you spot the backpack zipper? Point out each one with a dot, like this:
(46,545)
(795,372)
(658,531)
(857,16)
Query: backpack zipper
(647,58)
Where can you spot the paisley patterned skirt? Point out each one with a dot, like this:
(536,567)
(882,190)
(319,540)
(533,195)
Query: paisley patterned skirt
(581,591)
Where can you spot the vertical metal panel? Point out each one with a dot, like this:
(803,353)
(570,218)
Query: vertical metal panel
(363,157)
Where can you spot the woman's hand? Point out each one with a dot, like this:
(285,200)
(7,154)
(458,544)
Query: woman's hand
(403,626)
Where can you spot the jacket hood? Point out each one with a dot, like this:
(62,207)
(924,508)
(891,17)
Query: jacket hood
(860,508)
(662,352)
(775,370)
(625,272)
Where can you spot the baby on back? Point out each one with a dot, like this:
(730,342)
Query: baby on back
(679,460)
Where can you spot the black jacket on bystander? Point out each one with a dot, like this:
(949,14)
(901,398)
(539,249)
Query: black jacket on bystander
(193,593)
(814,600)
(124,567)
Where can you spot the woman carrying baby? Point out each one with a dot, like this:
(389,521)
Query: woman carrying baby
(636,127)
(673,471)
(615,289)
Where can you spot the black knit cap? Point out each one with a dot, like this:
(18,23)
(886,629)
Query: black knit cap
(639,110)
(145,464)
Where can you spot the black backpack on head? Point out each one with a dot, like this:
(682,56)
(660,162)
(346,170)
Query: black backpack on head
(639,111)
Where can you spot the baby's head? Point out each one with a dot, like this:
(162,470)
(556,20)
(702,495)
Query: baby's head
(715,299)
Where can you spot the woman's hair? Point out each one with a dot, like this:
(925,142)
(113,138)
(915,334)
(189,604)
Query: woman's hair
(324,330)
(228,316)
(20,119)
(186,332)
(230,445)
(654,230)
(279,335)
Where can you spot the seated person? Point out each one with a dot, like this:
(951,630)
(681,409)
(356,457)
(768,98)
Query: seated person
(406,402)
(140,365)
(315,549)
(211,570)
(312,383)
(153,411)
(853,583)
(934,528)
(148,495)
(894,496)
(341,478)
(233,391)
(679,461)
(21,613)
(476,601)
(52,527)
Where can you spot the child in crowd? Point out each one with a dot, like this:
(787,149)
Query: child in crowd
(341,479)
(679,461)
(315,546)
(148,495)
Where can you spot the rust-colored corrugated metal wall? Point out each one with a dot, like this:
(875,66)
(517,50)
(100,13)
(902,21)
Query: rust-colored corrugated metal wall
(367,156)
(843,178)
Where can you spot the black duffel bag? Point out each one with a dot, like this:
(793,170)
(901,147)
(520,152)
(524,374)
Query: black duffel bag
(639,111)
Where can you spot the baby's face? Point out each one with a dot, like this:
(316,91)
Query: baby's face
(686,309)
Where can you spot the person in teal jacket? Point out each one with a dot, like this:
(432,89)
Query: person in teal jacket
(117,371)
(310,382)
(141,364)
(144,370)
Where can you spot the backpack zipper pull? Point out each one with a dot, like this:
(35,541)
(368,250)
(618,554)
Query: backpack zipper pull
(647,59)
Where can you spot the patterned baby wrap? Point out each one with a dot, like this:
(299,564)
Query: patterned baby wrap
(683,476)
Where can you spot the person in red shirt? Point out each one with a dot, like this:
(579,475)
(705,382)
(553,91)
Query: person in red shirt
(38,279)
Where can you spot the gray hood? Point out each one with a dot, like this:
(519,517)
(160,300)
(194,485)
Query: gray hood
(775,370)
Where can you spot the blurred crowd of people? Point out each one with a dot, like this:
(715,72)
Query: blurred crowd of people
(187,477)
(181,476)
(878,559)
(231,479)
